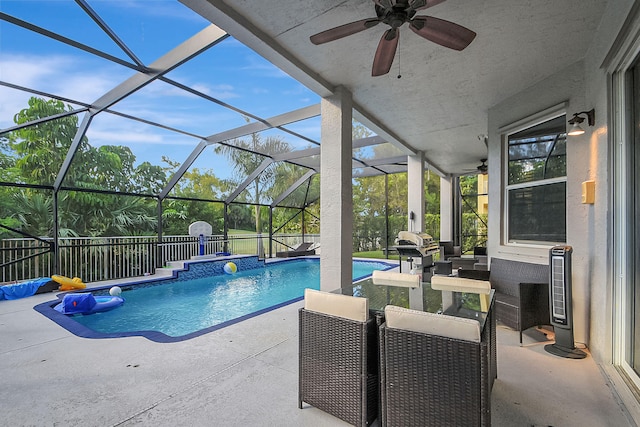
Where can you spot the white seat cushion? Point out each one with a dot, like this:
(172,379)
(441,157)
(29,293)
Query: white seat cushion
(431,323)
(460,284)
(349,307)
(392,278)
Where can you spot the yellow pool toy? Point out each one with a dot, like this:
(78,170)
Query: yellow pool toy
(67,284)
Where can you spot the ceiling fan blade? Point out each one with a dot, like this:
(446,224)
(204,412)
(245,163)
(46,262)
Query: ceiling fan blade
(387,4)
(445,33)
(386,52)
(343,30)
(423,4)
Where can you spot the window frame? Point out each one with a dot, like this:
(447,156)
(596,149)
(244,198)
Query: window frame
(523,124)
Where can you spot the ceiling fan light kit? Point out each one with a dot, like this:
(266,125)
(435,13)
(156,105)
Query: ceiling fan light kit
(396,13)
(483,168)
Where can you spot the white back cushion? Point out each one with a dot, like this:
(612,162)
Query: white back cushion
(460,284)
(392,278)
(431,323)
(349,307)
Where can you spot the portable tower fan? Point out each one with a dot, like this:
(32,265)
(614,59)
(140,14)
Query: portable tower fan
(560,305)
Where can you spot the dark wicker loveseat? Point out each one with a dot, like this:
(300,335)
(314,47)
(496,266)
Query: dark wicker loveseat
(522,293)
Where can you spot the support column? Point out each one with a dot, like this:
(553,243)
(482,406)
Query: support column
(56,235)
(446,209)
(159,251)
(336,204)
(415,202)
(456,217)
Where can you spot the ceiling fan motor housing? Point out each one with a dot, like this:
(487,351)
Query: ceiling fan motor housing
(395,14)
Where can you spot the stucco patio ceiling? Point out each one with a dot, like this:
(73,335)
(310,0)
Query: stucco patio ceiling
(440,104)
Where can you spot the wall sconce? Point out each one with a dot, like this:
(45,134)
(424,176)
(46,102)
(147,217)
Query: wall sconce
(576,120)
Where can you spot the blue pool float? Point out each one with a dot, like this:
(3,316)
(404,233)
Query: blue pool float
(86,303)
(22,289)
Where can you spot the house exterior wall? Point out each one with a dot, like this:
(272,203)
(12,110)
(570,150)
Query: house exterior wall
(565,87)
(597,152)
(583,85)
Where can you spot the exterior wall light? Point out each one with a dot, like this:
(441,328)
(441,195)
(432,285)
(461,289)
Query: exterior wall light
(576,120)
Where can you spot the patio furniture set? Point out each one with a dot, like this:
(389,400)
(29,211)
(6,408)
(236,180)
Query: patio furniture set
(414,353)
(362,358)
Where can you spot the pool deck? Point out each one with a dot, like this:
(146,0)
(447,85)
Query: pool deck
(244,375)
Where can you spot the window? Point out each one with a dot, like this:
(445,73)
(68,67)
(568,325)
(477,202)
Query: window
(536,183)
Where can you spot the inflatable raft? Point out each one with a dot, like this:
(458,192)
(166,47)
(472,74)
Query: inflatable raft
(67,284)
(86,303)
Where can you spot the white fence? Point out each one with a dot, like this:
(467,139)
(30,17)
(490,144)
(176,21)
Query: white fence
(106,258)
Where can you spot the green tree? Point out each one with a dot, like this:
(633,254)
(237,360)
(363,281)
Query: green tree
(474,223)
(35,154)
(245,160)
(40,150)
(202,186)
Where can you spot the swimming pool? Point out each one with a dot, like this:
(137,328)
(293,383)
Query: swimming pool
(185,307)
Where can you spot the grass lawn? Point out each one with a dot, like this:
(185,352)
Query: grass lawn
(374,254)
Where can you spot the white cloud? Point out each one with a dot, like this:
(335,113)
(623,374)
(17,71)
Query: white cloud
(60,75)
(223,92)
(220,91)
(256,63)
(105,137)
(159,8)
(260,90)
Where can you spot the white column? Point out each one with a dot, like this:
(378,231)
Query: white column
(336,204)
(446,209)
(415,202)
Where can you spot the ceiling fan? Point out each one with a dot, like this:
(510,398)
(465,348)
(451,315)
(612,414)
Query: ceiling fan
(395,13)
(483,167)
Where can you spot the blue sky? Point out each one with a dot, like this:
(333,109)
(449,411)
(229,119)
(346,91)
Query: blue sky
(150,28)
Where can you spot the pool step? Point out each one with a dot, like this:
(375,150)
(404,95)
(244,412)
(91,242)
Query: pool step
(170,268)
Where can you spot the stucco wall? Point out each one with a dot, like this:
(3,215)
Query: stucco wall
(583,85)
(567,86)
(598,154)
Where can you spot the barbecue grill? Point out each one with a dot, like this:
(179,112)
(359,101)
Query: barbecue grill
(417,247)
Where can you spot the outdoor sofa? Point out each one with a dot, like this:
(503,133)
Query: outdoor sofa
(522,292)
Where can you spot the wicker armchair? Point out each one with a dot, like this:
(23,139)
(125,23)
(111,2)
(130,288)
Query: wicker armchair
(522,293)
(338,364)
(432,380)
(448,250)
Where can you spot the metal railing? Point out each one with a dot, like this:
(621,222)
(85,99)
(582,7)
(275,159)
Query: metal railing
(106,258)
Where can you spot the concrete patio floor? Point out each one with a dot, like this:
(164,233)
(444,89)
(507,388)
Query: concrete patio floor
(244,375)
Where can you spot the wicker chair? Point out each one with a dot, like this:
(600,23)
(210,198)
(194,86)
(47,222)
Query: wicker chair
(338,363)
(522,293)
(448,250)
(449,381)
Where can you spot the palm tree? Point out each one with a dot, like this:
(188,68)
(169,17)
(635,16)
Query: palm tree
(247,160)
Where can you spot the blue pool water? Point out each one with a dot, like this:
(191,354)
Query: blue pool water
(188,308)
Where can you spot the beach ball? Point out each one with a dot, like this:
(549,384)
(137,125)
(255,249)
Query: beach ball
(115,291)
(230,268)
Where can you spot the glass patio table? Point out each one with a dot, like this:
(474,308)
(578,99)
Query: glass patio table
(424,298)
(426,378)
